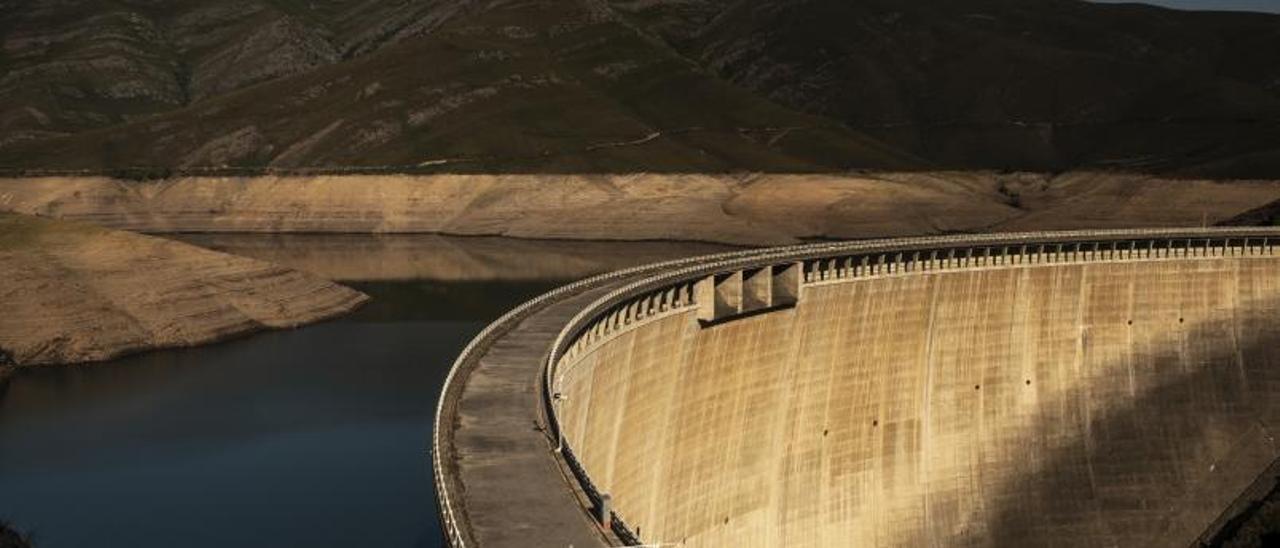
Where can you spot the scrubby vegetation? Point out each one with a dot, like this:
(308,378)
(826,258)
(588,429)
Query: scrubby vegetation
(619,86)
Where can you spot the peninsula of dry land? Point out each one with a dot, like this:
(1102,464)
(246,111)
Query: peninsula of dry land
(74,292)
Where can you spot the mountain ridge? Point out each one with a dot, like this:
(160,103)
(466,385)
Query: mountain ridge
(620,86)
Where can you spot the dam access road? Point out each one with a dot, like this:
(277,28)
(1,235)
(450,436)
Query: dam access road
(1093,388)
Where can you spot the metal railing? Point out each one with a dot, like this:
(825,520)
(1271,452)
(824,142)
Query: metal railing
(652,303)
(825,263)
(453,524)
(647,281)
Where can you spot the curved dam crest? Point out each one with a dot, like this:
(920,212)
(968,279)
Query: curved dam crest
(1112,392)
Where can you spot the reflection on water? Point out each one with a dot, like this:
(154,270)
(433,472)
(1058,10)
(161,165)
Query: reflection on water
(310,437)
(403,257)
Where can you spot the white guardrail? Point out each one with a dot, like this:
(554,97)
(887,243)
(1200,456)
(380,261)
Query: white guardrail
(663,276)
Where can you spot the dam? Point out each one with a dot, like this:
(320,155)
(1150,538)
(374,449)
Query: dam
(1092,388)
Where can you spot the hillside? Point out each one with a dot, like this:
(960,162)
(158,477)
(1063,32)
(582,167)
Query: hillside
(1034,84)
(629,85)
(556,85)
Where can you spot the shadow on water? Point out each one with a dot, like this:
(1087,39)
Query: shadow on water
(318,436)
(1156,469)
(481,301)
(308,437)
(455,258)
(314,436)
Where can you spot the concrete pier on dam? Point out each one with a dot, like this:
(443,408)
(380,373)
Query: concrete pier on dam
(1097,388)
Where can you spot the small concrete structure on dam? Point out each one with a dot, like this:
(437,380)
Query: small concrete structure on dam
(1104,388)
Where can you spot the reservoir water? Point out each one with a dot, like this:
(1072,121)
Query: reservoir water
(310,437)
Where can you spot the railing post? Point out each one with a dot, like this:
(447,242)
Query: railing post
(604,510)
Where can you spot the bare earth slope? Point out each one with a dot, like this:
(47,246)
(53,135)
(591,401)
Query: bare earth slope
(73,292)
(767,209)
(749,209)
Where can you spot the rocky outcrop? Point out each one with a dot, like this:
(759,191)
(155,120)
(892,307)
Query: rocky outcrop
(281,47)
(74,293)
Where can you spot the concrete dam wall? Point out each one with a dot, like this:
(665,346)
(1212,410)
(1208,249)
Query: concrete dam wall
(1074,389)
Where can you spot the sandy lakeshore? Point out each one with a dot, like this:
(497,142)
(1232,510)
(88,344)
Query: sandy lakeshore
(742,209)
(74,292)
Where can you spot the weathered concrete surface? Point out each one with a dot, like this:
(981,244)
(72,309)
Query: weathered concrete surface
(72,292)
(1106,404)
(501,459)
(750,209)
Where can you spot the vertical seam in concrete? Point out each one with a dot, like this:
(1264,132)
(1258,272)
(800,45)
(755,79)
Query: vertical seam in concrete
(1082,350)
(1235,321)
(659,477)
(623,387)
(787,392)
(824,467)
(926,397)
(976,315)
(1128,355)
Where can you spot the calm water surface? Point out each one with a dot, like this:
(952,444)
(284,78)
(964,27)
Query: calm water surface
(311,437)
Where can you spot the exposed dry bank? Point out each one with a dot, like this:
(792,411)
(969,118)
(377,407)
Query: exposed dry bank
(72,292)
(390,257)
(754,209)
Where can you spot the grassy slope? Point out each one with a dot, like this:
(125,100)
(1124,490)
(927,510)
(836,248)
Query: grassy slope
(1003,83)
(547,86)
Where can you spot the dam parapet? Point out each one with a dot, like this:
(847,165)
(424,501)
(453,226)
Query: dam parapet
(724,295)
(628,377)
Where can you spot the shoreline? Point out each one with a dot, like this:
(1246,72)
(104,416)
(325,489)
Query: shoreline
(10,372)
(735,209)
(80,294)
(151,174)
(183,235)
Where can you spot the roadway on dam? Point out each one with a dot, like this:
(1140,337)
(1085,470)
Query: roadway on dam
(514,488)
(495,455)
(500,481)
